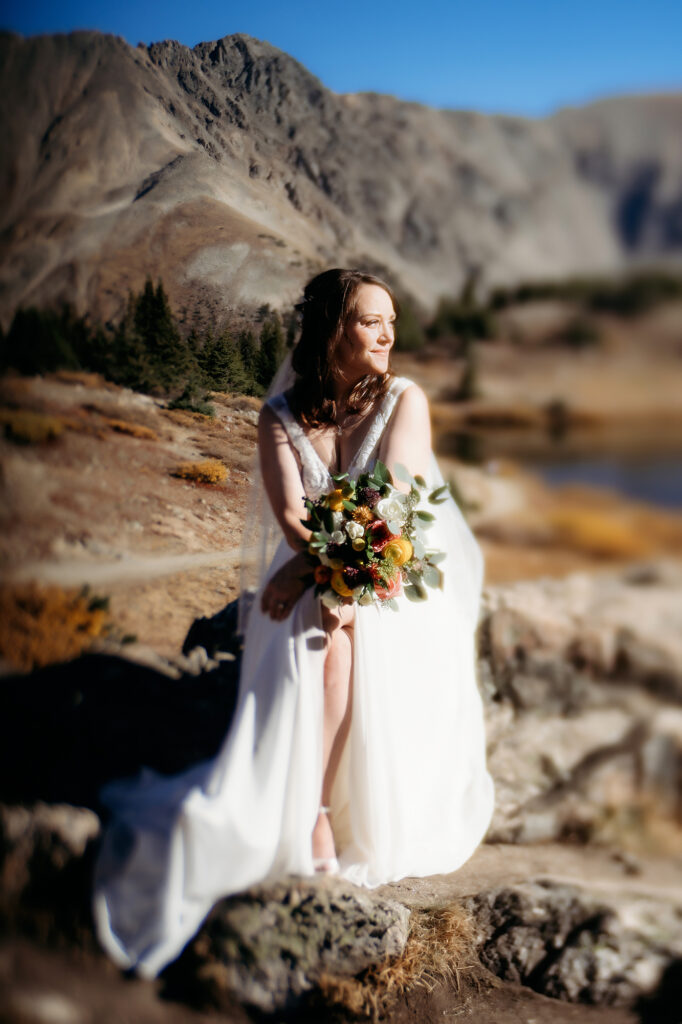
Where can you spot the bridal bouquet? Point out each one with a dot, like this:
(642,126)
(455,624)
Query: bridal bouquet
(368,539)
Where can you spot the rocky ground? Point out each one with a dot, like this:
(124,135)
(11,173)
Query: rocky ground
(573,908)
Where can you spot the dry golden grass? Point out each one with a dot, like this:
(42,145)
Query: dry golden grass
(41,624)
(185,417)
(89,380)
(440,947)
(599,533)
(208,471)
(27,427)
(133,429)
(235,400)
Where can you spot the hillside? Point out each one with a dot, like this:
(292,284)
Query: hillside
(231,172)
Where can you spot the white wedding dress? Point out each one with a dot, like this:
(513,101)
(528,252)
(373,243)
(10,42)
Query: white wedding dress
(412,795)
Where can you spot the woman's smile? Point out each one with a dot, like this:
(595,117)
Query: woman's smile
(370,333)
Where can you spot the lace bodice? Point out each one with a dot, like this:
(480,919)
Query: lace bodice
(315,475)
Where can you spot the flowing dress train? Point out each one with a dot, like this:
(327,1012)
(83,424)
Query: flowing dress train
(412,794)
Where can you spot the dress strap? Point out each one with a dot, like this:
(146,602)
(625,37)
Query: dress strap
(362,458)
(316,477)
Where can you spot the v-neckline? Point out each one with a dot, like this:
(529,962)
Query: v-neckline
(359,451)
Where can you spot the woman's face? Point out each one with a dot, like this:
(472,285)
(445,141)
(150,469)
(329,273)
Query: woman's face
(369,335)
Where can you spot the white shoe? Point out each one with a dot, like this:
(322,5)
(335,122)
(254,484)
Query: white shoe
(326,865)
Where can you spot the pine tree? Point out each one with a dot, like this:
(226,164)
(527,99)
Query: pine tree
(248,351)
(221,364)
(38,342)
(130,363)
(171,359)
(271,351)
(409,331)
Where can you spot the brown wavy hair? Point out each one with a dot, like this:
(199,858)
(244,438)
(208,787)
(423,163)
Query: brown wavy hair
(329,300)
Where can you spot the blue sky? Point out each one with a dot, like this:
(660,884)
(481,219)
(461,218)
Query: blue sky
(512,56)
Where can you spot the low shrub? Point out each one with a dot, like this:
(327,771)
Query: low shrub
(41,624)
(26,427)
(208,471)
(598,533)
(133,429)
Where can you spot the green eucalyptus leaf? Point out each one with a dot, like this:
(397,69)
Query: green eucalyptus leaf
(418,547)
(414,593)
(432,576)
(402,473)
(425,517)
(419,480)
(434,557)
(350,506)
(439,492)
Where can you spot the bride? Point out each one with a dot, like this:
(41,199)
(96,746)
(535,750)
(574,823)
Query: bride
(357,744)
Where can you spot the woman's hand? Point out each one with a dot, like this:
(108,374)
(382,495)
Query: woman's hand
(283,590)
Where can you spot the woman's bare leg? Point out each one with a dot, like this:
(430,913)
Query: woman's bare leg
(338,698)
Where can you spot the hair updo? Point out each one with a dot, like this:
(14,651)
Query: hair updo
(329,300)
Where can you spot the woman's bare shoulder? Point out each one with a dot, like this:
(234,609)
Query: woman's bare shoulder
(412,400)
(270,426)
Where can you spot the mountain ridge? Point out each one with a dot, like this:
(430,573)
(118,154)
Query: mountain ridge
(232,172)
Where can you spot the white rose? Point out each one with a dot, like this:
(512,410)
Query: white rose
(330,598)
(338,537)
(392,509)
(354,530)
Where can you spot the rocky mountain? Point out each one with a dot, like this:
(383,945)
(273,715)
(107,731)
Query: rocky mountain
(233,174)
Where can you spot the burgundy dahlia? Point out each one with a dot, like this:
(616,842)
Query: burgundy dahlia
(355,576)
(367,496)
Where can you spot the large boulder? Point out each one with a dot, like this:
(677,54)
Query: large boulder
(570,944)
(271,945)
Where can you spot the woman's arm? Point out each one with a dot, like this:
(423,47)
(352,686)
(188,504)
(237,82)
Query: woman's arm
(282,478)
(282,481)
(407,438)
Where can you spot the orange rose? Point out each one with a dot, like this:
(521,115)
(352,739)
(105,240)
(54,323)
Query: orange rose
(322,574)
(391,589)
(399,550)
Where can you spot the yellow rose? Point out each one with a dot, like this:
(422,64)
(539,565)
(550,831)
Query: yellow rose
(398,550)
(339,584)
(335,500)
